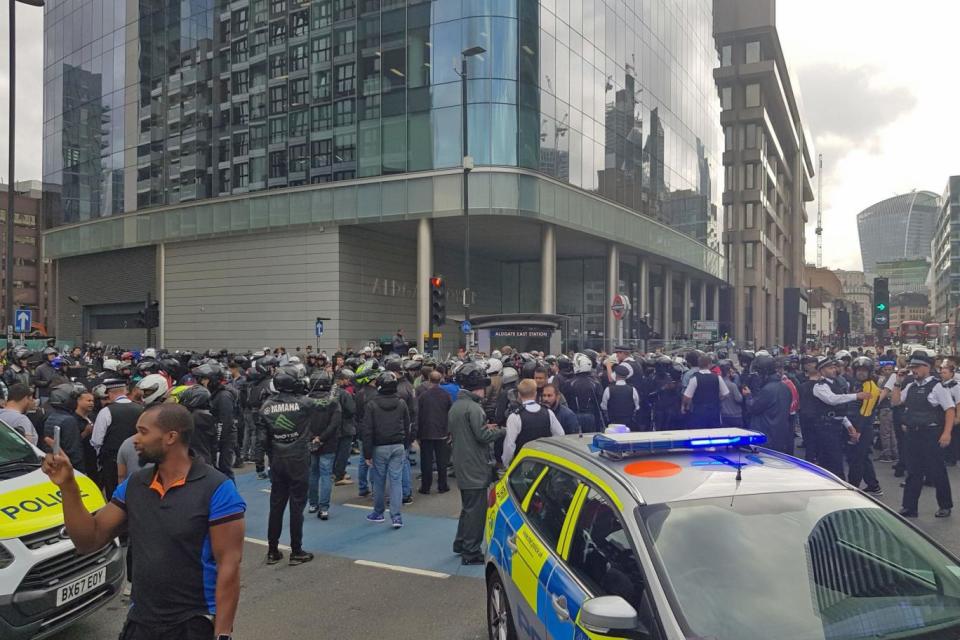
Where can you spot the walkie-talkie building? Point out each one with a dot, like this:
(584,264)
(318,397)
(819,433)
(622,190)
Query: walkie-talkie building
(255,164)
(898,228)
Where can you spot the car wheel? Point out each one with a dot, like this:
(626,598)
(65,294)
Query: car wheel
(499,619)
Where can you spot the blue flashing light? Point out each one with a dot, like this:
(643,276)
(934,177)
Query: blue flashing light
(619,445)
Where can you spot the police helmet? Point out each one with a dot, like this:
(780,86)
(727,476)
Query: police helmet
(593,355)
(195,397)
(494,367)
(392,363)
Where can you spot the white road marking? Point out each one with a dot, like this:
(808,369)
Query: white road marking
(264,490)
(401,569)
(365,507)
(264,543)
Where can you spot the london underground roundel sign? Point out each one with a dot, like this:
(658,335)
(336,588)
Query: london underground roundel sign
(619,306)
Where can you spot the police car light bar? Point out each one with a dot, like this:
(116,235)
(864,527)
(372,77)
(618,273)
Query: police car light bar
(620,445)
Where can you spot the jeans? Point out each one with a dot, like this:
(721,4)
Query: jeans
(321,481)
(406,479)
(363,486)
(387,465)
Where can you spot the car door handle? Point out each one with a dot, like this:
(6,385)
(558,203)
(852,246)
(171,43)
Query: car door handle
(560,607)
(512,543)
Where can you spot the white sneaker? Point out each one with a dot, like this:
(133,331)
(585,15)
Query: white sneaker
(125,592)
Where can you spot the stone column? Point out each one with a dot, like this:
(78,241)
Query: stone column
(702,315)
(667,303)
(548,269)
(613,284)
(424,273)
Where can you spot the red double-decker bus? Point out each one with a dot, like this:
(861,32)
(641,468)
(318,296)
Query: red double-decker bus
(912,331)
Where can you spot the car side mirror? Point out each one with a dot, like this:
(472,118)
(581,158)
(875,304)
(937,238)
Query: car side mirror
(608,614)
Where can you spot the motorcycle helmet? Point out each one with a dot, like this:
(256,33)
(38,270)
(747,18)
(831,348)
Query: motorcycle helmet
(582,363)
(510,375)
(472,376)
(111,365)
(149,352)
(64,396)
(154,388)
(195,397)
(593,355)
(494,367)
(49,351)
(368,372)
(320,381)
(564,364)
(862,362)
(387,382)
(764,365)
(285,380)
(345,373)
(266,365)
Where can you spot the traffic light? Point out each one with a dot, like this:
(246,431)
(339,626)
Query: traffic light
(881,304)
(438,301)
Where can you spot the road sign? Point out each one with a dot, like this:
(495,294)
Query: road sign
(23,321)
(706,325)
(319,327)
(619,306)
(466,327)
(703,336)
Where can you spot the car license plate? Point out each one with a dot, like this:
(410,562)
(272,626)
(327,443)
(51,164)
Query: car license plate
(76,588)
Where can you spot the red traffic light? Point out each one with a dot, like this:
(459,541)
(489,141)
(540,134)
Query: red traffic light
(436,282)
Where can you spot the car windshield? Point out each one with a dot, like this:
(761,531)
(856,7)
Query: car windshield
(13,448)
(826,565)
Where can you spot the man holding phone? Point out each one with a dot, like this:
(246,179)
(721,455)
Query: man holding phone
(186,527)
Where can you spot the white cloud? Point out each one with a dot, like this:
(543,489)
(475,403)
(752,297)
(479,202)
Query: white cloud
(887,121)
(29,113)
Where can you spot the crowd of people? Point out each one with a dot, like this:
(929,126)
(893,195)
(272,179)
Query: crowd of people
(299,417)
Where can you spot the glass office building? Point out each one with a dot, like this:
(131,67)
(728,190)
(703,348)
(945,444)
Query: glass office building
(898,228)
(167,122)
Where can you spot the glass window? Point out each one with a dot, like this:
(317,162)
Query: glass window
(239,21)
(241,143)
(299,91)
(299,123)
(750,171)
(345,145)
(343,111)
(278,99)
(320,13)
(751,136)
(602,556)
(749,212)
(320,117)
(726,98)
(345,9)
(298,158)
(278,164)
(748,254)
(728,138)
(752,53)
(320,49)
(321,85)
(320,153)
(346,78)
(278,33)
(239,50)
(241,174)
(299,24)
(278,65)
(345,42)
(523,477)
(277,7)
(726,55)
(241,82)
(298,57)
(258,136)
(258,44)
(241,114)
(752,95)
(258,106)
(549,504)
(278,130)
(258,170)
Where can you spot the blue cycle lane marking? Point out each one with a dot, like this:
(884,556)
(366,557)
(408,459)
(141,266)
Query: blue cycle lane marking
(424,542)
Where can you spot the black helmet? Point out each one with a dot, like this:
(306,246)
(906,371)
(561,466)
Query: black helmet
(746,357)
(50,351)
(320,381)
(472,376)
(392,363)
(528,369)
(208,371)
(195,396)
(862,362)
(345,373)
(564,364)
(387,382)
(146,367)
(593,355)
(764,365)
(412,366)
(266,365)
(64,396)
(21,353)
(285,381)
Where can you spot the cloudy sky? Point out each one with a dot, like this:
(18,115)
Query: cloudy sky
(877,81)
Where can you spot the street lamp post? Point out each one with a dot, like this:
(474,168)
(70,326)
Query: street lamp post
(8,269)
(467,167)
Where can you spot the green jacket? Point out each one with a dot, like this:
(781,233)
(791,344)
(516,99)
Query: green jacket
(472,461)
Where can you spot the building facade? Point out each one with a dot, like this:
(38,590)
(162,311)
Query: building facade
(908,306)
(262,163)
(768,165)
(29,270)
(858,294)
(944,275)
(898,228)
(904,276)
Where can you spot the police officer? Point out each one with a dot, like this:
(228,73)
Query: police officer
(621,400)
(115,423)
(808,408)
(702,396)
(834,429)
(287,424)
(928,414)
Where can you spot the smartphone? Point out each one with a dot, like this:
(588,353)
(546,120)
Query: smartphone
(56,440)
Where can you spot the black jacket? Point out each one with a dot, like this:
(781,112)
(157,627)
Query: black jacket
(205,441)
(329,423)
(385,421)
(286,424)
(348,412)
(433,405)
(14,375)
(69,435)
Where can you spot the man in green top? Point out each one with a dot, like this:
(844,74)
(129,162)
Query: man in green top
(472,462)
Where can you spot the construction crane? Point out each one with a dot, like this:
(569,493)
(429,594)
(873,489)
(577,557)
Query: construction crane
(819,210)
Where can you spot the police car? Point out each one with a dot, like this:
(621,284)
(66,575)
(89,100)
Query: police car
(44,585)
(702,534)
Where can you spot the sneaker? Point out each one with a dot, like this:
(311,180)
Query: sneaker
(376,517)
(342,482)
(469,561)
(125,592)
(907,513)
(262,475)
(874,491)
(299,557)
(396,521)
(312,508)
(324,515)
(425,492)
(274,556)
(364,494)
(408,500)
(942,513)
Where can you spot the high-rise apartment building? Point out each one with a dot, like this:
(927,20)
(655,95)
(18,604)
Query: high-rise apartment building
(898,228)
(29,270)
(255,164)
(944,275)
(768,166)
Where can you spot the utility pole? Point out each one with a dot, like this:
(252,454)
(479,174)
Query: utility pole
(467,167)
(819,210)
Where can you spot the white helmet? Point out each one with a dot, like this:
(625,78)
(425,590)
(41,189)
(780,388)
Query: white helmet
(496,354)
(582,363)
(154,387)
(293,360)
(149,353)
(111,365)
(843,353)
(494,367)
(510,375)
(762,352)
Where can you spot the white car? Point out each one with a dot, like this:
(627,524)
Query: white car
(45,585)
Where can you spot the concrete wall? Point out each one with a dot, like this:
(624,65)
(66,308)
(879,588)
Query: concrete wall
(115,277)
(248,292)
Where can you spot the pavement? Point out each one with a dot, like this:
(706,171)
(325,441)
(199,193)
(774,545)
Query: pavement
(368,576)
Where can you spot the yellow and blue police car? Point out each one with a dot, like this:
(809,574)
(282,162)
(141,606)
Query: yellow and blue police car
(702,534)
(44,585)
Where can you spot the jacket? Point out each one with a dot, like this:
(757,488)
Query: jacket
(472,460)
(567,418)
(69,435)
(433,407)
(205,440)
(769,408)
(348,412)
(14,374)
(385,421)
(329,423)
(286,424)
